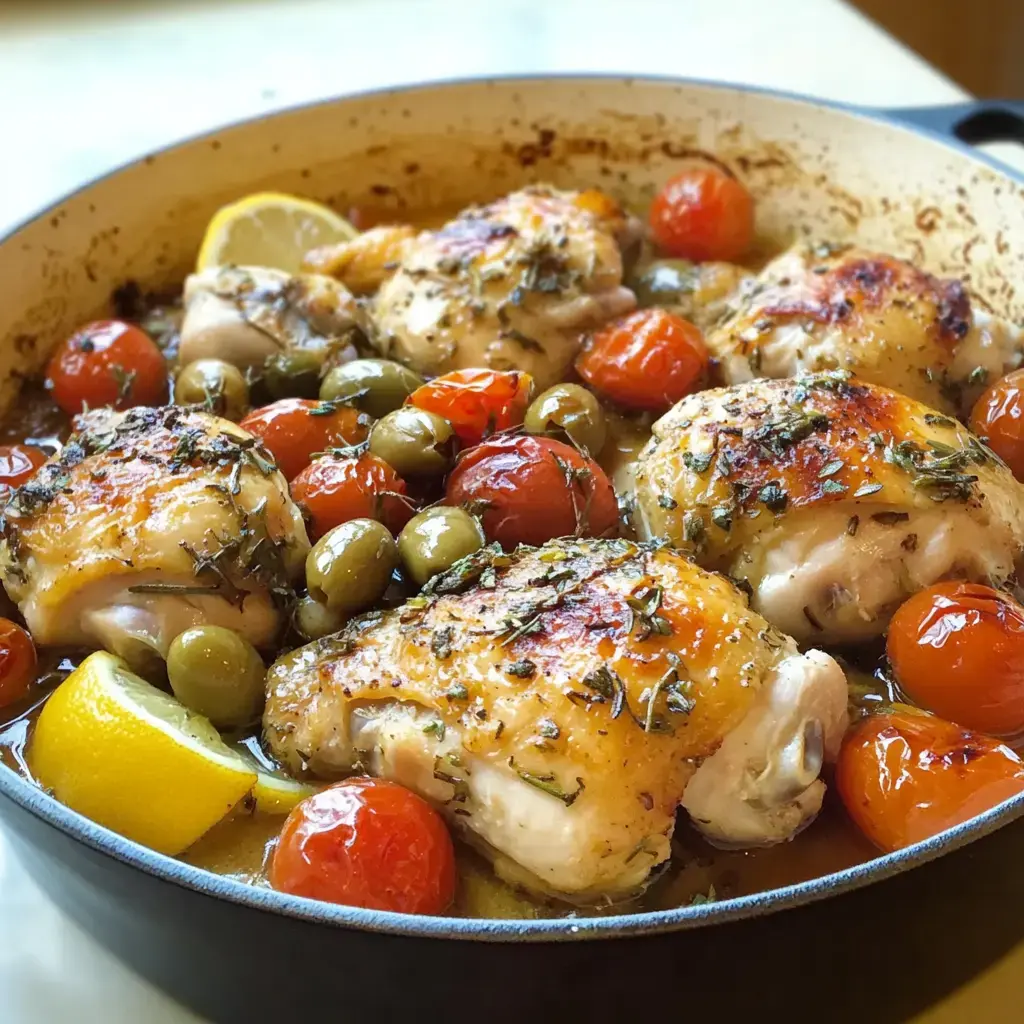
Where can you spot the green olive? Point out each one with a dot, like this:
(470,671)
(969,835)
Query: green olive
(216,672)
(434,540)
(377,386)
(664,283)
(214,383)
(572,410)
(350,567)
(314,620)
(294,373)
(414,442)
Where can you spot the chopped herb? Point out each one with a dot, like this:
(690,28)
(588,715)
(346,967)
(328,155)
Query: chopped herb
(435,727)
(979,375)
(721,516)
(865,489)
(548,729)
(796,425)
(457,691)
(940,470)
(935,420)
(441,642)
(701,898)
(694,529)
(698,462)
(667,501)
(774,497)
(546,784)
(833,487)
(524,669)
(645,607)
(466,571)
(831,468)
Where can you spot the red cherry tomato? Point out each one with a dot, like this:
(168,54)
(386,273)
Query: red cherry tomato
(530,489)
(998,416)
(904,777)
(703,214)
(17,662)
(18,463)
(335,490)
(476,402)
(107,363)
(294,428)
(958,649)
(367,843)
(648,360)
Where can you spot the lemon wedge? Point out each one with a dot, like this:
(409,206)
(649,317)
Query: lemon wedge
(130,757)
(277,794)
(270,229)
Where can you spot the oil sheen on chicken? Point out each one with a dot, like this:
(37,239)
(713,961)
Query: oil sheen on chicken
(834,499)
(509,286)
(147,523)
(559,704)
(879,317)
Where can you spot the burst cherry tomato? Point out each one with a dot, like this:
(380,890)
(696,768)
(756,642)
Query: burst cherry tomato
(703,214)
(108,363)
(999,416)
(958,649)
(17,662)
(530,489)
(294,428)
(367,843)
(476,402)
(334,490)
(648,360)
(18,463)
(904,777)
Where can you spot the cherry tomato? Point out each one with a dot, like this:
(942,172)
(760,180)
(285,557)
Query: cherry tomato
(367,843)
(17,662)
(648,360)
(999,416)
(18,463)
(476,402)
(703,214)
(904,777)
(107,363)
(294,428)
(334,490)
(958,649)
(530,489)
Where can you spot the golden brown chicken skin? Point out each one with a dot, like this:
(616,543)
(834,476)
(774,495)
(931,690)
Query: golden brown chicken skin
(147,523)
(834,498)
(879,317)
(556,702)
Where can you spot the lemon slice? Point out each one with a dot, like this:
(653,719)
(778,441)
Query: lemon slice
(270,229)
(130,757)
(277,794)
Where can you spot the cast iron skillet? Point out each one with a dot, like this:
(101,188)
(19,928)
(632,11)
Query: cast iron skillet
(233,952)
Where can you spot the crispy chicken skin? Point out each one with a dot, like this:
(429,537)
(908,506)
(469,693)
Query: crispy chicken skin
(244,315)
(835,499)
(555,704)
(874,315)
(510,285)
(147,523)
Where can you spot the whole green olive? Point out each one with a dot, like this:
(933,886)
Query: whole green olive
(434,540)
(664,282)
(414,442)
(294,373)
(216,672)
(377,386)
(213,383)
(570,410)
(314,620)
(350,566)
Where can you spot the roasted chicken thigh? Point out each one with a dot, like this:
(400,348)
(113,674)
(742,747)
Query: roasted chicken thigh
(147,523)
(833,498)
(558,704)
(879,317)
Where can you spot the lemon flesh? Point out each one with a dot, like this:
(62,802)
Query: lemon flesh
(270,229)
(276,794)
(131,758)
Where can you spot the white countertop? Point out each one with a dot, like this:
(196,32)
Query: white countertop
(87,86)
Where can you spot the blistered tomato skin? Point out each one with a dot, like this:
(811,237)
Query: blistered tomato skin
(904,777)
(957,649)
(477,403)
(367,843)
(530,489)
(292,429)
(648,360)
(18,463)
(998,416)
(108,362)
(703,213)
(17,663)
(336,490)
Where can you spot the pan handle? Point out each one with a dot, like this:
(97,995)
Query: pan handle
(974,123)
